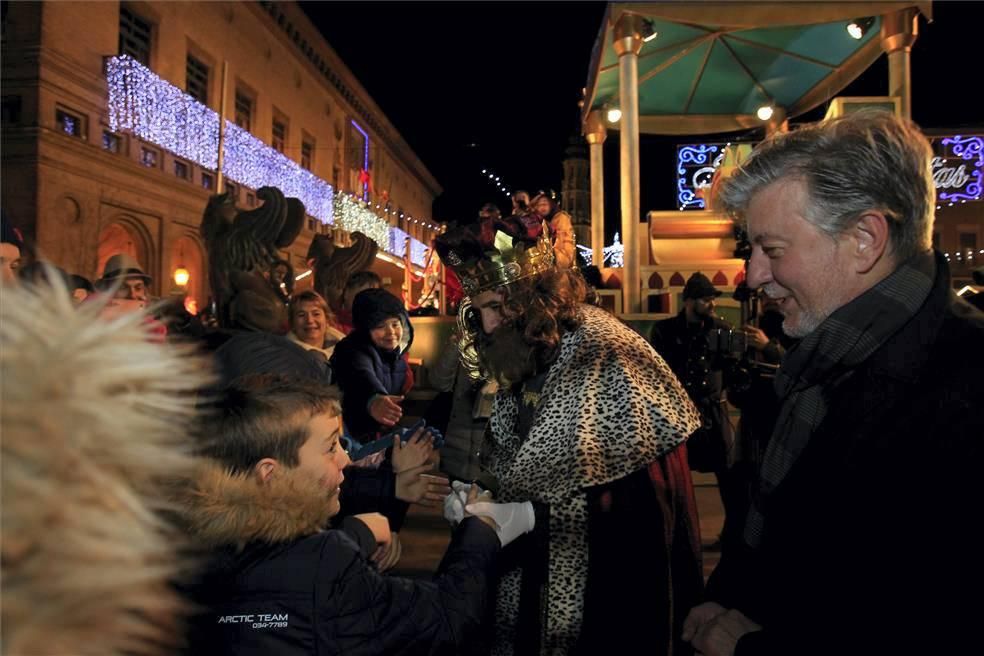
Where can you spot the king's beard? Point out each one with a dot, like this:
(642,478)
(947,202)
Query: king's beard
(506,355)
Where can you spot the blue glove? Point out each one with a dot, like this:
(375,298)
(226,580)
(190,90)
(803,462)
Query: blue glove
(386,441)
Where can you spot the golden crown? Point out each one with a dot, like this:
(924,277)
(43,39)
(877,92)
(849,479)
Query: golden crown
(504,265)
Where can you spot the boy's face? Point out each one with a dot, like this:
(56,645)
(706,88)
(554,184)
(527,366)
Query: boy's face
(387,334)
(323,458)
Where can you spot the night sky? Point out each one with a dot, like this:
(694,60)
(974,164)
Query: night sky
(495,85)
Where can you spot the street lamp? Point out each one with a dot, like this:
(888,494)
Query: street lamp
(181,276)
(614,115)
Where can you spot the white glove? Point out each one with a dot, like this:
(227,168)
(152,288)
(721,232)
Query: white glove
(454,503)
(512,519)
(454,508)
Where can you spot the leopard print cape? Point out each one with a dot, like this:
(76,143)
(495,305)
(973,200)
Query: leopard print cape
(610,406)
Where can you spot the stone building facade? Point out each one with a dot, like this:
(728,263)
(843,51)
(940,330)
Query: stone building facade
(80,192)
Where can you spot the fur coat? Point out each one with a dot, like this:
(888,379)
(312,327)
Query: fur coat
(95,416)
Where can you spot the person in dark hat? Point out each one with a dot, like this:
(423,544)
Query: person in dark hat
(369,364)
(124,274)
(684,342)
(81,287)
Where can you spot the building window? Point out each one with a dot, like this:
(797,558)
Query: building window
(111,141)
(11,110)
(312,224)
(196,83)
(250,199)
(135,36)
(208,181)
(69,123)
(149,157)
(233,192)
(307,154)
(244,110)
(181,169)
(279,140)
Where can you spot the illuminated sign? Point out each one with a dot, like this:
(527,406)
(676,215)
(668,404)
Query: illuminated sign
(696,164)
(958,168)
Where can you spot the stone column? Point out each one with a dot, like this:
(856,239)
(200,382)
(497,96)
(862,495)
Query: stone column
(898,33)
(594,134)
(627,40)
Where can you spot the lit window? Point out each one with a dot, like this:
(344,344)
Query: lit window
(181,169)
(111,142)
(135,36)
(70,124)
(208,181)
(149,157)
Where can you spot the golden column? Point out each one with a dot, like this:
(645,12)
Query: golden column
(898,33)
(628,42)
(594,134)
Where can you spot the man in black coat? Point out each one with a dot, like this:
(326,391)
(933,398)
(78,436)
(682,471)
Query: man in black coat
(685,342)
(852,542)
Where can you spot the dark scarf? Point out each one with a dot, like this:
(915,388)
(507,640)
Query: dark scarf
(826,357)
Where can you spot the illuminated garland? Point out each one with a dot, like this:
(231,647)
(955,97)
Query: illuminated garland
(353,215)
(612,255)
(159,112)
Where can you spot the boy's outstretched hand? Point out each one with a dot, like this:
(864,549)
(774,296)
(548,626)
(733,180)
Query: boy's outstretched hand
(414,486)
(388,555)
(386,409)
(415,452)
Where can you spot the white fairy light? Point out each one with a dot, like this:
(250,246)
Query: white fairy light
(613,254)
(160,113)
(157,111)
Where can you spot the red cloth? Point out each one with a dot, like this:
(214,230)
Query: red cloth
(453,292)
(343,321)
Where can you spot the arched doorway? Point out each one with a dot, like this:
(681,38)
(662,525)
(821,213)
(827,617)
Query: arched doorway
(118,238)
(187,253)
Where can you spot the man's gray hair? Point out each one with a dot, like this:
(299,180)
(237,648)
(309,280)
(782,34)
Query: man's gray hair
(867,160)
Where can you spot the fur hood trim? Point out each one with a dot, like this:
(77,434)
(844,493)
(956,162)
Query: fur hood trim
(95,416)
(222,508)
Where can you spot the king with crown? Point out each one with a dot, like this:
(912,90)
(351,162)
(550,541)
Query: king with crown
(590,426)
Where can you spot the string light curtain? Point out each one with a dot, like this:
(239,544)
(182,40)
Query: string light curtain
(162,114)
(159,112)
